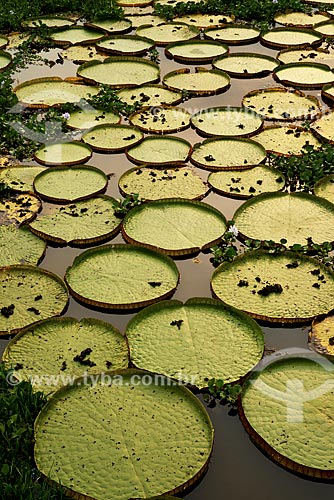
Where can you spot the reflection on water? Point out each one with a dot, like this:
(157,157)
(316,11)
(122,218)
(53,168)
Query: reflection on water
(238,470)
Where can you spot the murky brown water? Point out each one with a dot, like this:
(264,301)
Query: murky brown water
(238,470)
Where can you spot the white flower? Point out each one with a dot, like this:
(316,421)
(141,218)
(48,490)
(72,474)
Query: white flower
(66,115)
(275,1)
(233,229)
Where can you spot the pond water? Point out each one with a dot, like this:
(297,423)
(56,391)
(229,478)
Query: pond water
(237,469)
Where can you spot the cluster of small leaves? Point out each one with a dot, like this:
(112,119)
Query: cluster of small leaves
(19,478)
(219,390)
(303,172)
(226,250)
(108,100)
(129,202)
(154,55)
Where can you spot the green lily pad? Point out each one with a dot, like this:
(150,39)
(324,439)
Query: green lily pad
(127,45)
(118,72)
(76,35)
(325,188)
(19,246)
(174,226)
(325,28)
(246,65)
(19,208)
(28,294)
(84,118)
(229,121)
(286,408)
(304,75)
(65,153)
(290,37)
(50,21)
(3,41)
(45,353)
(246,183)
(285,287)
(323,127)
(155,183)
(161,120)
(286,141)
(301,19)
(292,216)
(202,82)
(166,33)
(21,177)
(52,91)
(112,138)
(327,92)
(122,277)
(137,11)
(235,34)
(138,448)
(111,25)
(5,60)
(321,336)
(227,153)
(305,55)
(68,184)
(195,51)
(203,21)
(150,95)
(282,104)
(80,54)
(82,223)
(167,151)
(166,337)
(148,19)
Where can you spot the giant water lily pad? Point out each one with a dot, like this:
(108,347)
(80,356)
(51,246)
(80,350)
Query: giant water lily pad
(147,437)
(138,10)
(65,153)
(49,21)
(5,60)
(121,277)
(81,223)
(89,118)
(325,188)
(246,183)
(19,208)
(76,35)
(327,92)
(325,28)
(301,19)
(227,153)
(52,91)
(202,82)
(3,41)
(167,150)
(286,408)
(156,183)
(195,51)
(246,65)
(285,287)
(118,72)
(68,184)
(323,127)
(19,246)
(281,104)
(166,338)
(147,19)
(305,55)
(20,178)
(64,348)
(236,34)
(286,140)
(125,45)
(29,294)
(111,25)
(321,337)
(174,226)
(166,33)
(226,121)
(112,138)
(203,21)
(150,95)
(304,75)
(290,37)
(80,54)
(161,120)
(294,217)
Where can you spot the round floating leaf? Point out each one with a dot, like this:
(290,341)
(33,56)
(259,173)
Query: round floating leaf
(82,223)
(285,287)
(81,53)
(68,184)
(325,188)
(202,82)
(155,183)
(148,19)
(246,183)
(327,92)
(52,351)
(305,55)
(76,35)
(167,150)
(290,37)
(294,217)
(50,21)
(19,246)
(227,153)
(286,141)
(65,153)
(325,28)
(84,119)
(282,104)
(5,60)
(166,33)
(174,226)
(166,338)
(203,21)
(195,51)
(235,34)
(134,3)
(112,25)
(321,337)
(19,208)
(112,138)
(286,408)
(323,127)
(246,65)
(161,120)
(20,178)
(304,75)
(301,19)
(29,294)
(226,121)
(3,41)
(122,277)
(147,437)
(125,45)
(149,95)
(118,72)
(137,11)
(52,91)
